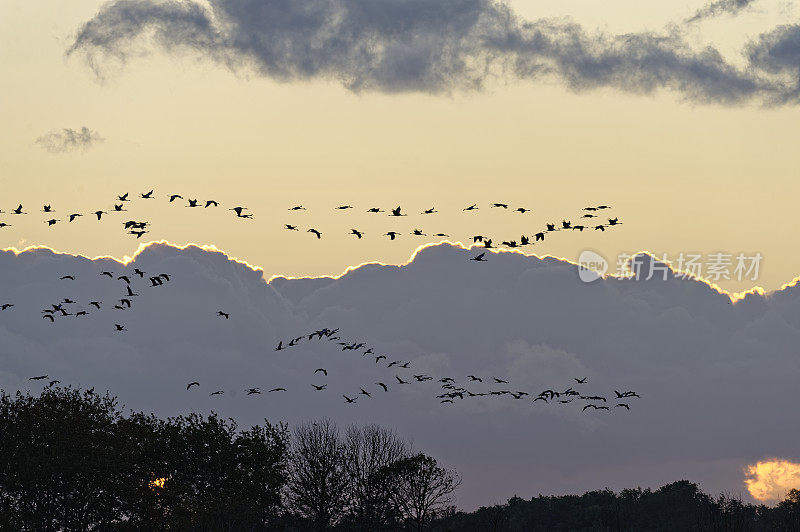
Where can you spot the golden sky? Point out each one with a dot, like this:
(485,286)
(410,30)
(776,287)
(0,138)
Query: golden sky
(682,176)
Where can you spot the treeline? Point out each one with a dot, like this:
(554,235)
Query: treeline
(677,506)
(72,460)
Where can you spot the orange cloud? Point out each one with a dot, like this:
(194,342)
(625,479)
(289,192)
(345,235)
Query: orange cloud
(770,480)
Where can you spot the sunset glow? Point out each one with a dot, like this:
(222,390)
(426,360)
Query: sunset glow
(770,480)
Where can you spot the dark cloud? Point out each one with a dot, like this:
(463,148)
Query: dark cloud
(708,371)
(418,45)
(719,7)
(68,139)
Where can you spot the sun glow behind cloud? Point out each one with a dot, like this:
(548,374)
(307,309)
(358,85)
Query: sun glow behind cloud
(770,480)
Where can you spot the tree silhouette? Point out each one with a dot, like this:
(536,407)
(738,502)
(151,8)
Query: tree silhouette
(59,460)
(421,488)
(368,451)
(69,460)
(318,483)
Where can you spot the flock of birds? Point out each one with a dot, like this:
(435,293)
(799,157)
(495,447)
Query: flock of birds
(450,390)
(133,227)
(588,217)
(69,307)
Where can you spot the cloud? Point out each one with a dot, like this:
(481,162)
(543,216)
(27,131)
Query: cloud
(708,371)
(421,46)
(719,7)
(68,139)
(770,480)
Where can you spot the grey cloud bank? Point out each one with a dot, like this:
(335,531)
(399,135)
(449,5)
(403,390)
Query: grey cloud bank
(440,47)
(718,381)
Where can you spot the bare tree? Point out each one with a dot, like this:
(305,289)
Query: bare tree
(422,488)
(317,487)
(369,451)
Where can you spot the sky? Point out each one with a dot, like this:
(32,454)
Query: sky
(695,153)
(682,117)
